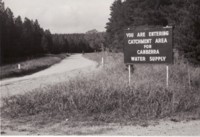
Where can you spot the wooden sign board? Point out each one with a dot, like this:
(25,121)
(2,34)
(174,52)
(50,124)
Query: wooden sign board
(148,45)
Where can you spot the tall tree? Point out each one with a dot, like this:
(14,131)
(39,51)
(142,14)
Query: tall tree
(95,39)
(115,25)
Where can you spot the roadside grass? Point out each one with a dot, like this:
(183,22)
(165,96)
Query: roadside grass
(30,66)
(107,97)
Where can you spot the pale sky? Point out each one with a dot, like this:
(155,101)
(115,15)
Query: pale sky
(64,16)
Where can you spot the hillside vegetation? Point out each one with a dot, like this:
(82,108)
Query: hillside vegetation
(30,66)
(106,95)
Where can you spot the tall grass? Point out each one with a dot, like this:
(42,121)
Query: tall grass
(107,96)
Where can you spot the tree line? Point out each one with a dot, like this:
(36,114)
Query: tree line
(24,39)
(79,42)
(20,40)
(183,15)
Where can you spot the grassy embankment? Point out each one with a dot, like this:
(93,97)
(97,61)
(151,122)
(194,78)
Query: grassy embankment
(30,66)
(106,96)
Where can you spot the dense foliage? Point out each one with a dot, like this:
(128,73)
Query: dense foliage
(20,39)
(183,15)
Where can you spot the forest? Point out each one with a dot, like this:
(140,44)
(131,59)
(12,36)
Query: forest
(22,39)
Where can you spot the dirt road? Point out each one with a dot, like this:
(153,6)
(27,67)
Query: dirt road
(152,128)
(63,71)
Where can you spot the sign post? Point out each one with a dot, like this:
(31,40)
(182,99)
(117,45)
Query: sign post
(149,45)
(188,69)
(167,77)
(129,74)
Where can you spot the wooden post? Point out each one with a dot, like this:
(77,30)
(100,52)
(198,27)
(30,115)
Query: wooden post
(19,66)
(102,61)
(102,52)
(189,78)
(167,77)
(129,74)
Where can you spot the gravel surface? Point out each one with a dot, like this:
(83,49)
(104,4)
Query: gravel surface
(65,70)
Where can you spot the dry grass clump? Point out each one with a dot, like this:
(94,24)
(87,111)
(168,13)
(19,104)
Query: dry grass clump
(107,96)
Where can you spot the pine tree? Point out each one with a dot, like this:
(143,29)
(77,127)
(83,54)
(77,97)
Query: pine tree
(115,25)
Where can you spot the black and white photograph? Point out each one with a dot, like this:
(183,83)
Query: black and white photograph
(100,67)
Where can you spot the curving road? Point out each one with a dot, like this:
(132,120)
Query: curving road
(65,70)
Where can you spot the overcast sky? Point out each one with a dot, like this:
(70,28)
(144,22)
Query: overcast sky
(64,16)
